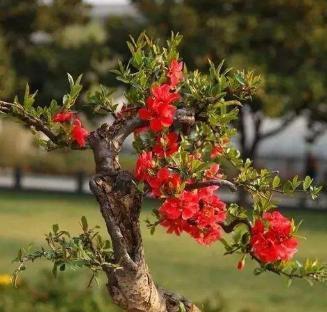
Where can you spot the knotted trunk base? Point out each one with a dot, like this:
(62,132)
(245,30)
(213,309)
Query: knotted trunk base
(130,286)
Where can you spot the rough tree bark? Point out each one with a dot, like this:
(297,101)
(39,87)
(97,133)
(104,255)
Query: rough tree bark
(131,286)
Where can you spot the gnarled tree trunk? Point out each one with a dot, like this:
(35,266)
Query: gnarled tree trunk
(131,285)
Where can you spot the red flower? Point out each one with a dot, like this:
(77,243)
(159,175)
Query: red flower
(216,151)
(213,172)
(175,72)
(184,207)
(63,117)
(143,164)
(210,235)
(79,133)
(212,211)
(159,110)
(166,145)
(205,236)
(241,264)
(163,94)
(176,226)
(164,182)
(205,192)
(171,209)
(272,239)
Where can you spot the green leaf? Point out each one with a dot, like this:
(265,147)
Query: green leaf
(239,77)
(70,80)
(289,283)
(287,187)
(55,228)
(307,182)
(295,182)
(276,182)
(84,224)
(182,307)
(140,186)
(55,269)
(20,255)
(29,99)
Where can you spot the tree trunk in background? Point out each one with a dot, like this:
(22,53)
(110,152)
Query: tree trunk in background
(248,148)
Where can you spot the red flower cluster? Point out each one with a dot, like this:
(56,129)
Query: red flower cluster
(198,212)
(182,208)
(78,132)
(166,145)
(271,238)
(165,183)
(144,163)
(159,109)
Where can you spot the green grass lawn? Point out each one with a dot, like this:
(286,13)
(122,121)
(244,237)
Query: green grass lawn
(177,263)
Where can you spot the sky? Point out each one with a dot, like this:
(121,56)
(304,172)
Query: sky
(107,1)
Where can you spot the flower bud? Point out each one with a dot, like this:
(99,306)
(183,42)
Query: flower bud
(241,264)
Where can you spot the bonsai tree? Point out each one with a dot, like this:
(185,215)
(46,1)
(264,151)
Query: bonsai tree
(182,126)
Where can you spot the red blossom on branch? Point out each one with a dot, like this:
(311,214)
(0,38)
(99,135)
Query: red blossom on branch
(216,151)
(159,110)
(143,164)
(79,134)
(212,212)
(213,172)
(209,235)
(272,238)
(166,145)
(197,213)
(164,182)
(176,226)
(184,207)
(241,264)
(63,117)
(175,73)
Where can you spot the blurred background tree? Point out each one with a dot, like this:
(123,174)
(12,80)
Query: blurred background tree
(7,74)
(47,39)
(282,39)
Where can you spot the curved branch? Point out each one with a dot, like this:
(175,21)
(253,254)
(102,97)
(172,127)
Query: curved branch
(228,228)
(31,121)
(183,116)
(285,123)
(218,182)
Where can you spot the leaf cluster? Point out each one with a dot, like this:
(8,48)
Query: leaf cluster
(65,251)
